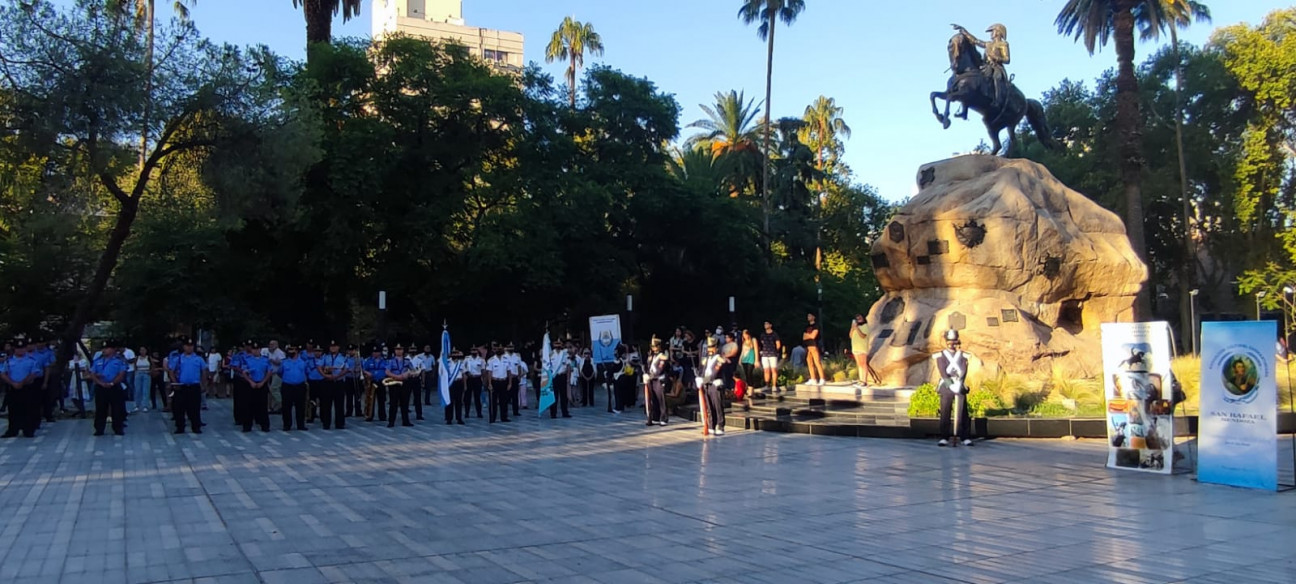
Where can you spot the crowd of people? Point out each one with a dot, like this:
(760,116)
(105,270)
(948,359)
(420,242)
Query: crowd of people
(328,383)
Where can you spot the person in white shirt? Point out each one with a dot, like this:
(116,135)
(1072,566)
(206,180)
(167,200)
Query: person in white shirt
(515,378)
(474,368)
(455,377)
(130,357)
(276,356)
(497,378)
(560,365)
(424,369)
(214,382)
(79,383)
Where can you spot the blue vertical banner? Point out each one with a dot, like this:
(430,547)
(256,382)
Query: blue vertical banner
(546,376)
(446,370)
(1137,383)
(1238,442)
(605,337)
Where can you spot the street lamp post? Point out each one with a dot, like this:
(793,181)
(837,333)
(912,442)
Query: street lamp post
(1259,295)
(1192,318)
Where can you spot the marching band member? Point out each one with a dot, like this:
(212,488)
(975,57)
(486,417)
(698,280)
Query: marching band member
(375,370)
(656,378)
(333,394)
(187,403)
(474,367)
(256,371)
(455,376)
(712,384)
(400,374)
(295,371)
(497,378)
(515,378)
(560,365)
(425,364)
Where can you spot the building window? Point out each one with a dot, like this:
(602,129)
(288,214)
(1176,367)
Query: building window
(497,56)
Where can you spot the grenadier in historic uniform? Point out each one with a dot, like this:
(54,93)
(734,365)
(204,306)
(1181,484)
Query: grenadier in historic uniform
(658,365)
(952,367)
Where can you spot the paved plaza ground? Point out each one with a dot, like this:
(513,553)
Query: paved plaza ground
(603,499)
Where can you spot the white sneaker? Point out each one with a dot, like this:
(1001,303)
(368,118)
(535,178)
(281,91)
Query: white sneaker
(943,442)
(145,410)
(616,412)
(967,442)
(663,422)
(719,432)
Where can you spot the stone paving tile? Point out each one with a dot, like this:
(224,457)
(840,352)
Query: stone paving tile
(603,499)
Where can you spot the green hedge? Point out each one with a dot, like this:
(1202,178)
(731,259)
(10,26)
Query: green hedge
(925,403)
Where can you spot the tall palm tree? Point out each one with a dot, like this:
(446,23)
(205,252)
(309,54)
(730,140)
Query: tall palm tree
(1098,22)
(730,136)
(1174,15)
(319,17)
(824,128)
(143,11)
(569,43)
(768,13)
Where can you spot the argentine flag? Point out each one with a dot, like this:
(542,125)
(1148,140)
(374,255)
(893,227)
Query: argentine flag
(546,377)
(446,371)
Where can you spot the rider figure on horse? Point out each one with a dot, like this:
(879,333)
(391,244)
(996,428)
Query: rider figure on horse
(997,54)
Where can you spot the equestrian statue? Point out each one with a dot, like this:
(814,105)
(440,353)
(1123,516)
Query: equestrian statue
(980,83)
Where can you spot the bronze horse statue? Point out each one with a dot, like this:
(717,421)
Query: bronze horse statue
(975,91)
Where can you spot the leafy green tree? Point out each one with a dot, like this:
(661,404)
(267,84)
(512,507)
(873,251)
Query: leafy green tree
(768,13)
(728,134)
(569,43)
(823,133)
(320,14)
(77,79)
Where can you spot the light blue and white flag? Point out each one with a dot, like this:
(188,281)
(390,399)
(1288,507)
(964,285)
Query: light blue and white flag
(546,377)
(446,371)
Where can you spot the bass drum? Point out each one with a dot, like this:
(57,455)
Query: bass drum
(729,350)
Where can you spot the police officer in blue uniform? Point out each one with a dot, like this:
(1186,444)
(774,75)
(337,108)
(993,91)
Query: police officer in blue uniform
(399,369)
(237,366)
(375,370)
(333,389)
(256,372)
(187,403)
(295,372)
(108,373)
(19,375)
(353,383)
(44,356)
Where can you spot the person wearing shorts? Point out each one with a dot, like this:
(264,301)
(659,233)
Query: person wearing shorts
(771,346)
(859,348)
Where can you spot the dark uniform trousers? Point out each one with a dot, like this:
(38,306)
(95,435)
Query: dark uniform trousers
(454,409)
(472,395)
(657,401)
(294,405)
(499,399)
(240,397)
(399,394)
(946,411)
(561,388)
(107,399)
(380,403)
(586,391)
(715,407)
(333,402)
(515,395)
(24,410)
(352,396)
(416,393)
(187,403)
(256,411)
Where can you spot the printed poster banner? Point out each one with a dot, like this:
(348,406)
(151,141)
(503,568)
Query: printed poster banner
(1239,405)
(605,336)
(1137,382)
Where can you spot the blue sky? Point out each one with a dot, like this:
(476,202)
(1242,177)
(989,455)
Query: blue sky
(879,60)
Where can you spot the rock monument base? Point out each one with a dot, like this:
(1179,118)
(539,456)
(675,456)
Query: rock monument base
(1000,250)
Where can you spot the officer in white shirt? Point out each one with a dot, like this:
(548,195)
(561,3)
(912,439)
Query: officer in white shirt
(424,365)
(497,374)
(560,362)
(515,378)
(474,366)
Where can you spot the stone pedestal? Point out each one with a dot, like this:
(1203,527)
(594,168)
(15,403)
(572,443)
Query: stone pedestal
(1000,250)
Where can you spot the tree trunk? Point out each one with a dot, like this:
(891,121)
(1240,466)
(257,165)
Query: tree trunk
(148,85)
(319,21)
(107,263)
(571,81)
(765,158)
(1189,273)
(1131,161)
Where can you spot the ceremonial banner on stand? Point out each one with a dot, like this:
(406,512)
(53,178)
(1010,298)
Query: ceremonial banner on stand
(1238,432)
(547,397)
(446,370)
(605,336)
(1137,382)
